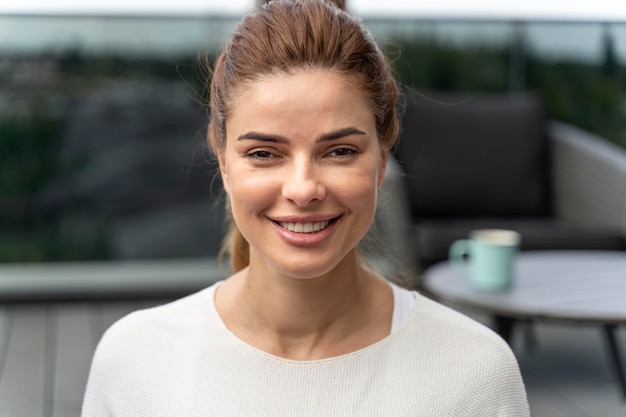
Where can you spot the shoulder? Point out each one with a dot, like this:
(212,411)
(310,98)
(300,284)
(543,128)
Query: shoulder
(169,323)
(434,323)
(459,336)
(433,317)
(147,348)
(464,357)
(143,355)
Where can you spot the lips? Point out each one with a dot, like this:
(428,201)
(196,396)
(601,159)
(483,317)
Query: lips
(309,231)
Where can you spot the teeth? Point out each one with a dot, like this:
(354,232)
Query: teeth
(305,227)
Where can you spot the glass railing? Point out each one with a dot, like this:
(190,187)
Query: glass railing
(102,122)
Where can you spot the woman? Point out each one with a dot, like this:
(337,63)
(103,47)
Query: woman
(303,114)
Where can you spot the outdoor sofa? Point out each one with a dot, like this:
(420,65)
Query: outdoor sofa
(467,161)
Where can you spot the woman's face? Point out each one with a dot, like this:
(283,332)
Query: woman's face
(301,166)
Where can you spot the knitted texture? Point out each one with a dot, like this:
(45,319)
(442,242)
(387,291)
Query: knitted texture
(180,360)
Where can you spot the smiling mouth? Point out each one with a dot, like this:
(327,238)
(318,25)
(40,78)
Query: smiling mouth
(306,227)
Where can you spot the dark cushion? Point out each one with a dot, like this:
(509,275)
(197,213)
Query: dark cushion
(475,154)
(433,237)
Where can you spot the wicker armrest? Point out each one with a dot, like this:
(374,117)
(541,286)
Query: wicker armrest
(589,177)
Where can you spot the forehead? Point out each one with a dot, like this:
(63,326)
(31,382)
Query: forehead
(305,94)
(306,83)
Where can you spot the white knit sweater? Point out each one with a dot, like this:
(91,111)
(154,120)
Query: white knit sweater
(180,360)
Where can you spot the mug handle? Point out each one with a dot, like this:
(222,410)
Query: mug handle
(459,250)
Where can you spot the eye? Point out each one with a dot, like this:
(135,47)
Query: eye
(260,155)
(342,152)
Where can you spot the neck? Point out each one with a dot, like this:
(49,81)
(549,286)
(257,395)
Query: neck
(305,305)
(305,318)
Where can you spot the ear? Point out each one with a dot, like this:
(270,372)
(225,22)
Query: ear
(224,172)
(384,157)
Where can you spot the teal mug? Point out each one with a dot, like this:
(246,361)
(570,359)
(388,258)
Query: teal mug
(488,257)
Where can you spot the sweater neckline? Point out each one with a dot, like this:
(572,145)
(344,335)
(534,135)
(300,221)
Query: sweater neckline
(261,353)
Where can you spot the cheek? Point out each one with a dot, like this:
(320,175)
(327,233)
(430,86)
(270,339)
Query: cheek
(250,192)
(358,192)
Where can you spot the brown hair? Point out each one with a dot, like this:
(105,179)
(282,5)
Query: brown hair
(287,35)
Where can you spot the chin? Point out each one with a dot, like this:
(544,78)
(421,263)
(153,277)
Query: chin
(304,270)
(311,266)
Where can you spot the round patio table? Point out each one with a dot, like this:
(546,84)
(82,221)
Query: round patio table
(576,286)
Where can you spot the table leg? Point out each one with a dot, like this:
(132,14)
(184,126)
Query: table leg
(6,327)
(504,327)
(615,354)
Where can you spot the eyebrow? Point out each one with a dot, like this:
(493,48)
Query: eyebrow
(337,134)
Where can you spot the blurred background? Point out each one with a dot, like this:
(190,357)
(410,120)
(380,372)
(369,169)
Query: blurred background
(102,117)
(103,158)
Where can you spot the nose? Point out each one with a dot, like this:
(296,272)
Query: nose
(303,184)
